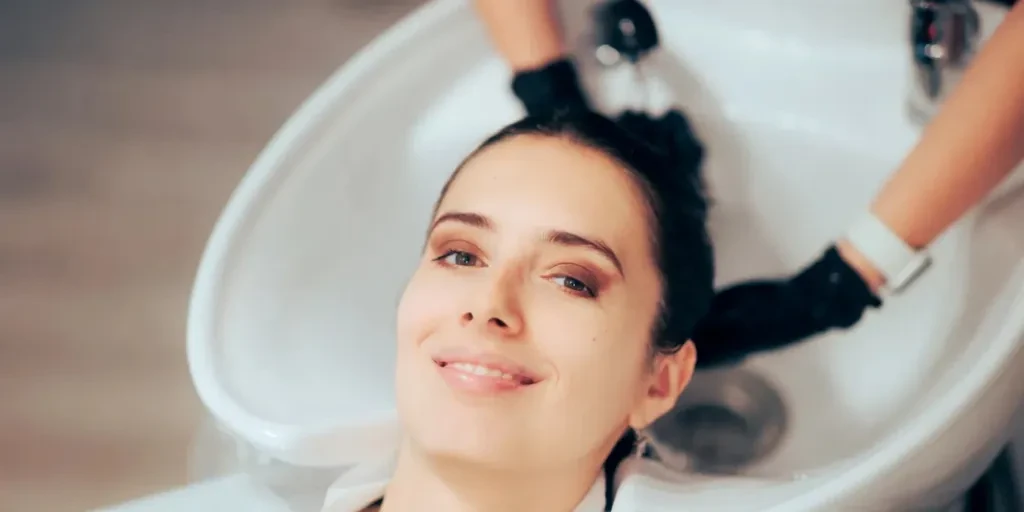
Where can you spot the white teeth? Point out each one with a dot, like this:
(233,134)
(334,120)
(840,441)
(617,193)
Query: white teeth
(482,370)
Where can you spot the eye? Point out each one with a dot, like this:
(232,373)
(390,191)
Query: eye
(458,259)
(574,286)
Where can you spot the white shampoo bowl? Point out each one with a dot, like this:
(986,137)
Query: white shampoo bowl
(800,103)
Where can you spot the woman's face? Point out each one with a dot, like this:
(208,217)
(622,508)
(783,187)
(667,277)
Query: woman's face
(524,335)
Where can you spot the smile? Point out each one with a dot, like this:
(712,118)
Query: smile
(483,374)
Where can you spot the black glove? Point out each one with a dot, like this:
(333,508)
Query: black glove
(758,316)
(553,87)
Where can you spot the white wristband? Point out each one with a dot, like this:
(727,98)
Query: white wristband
(898,262)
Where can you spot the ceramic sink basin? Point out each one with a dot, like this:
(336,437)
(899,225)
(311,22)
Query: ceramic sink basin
(800,104)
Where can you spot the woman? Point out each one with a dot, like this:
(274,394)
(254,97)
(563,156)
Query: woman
(565,267)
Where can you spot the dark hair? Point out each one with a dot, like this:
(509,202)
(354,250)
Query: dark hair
(667,171)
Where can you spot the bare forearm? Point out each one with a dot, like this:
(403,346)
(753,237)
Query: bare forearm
(525,32)
(971,145)
(974,141)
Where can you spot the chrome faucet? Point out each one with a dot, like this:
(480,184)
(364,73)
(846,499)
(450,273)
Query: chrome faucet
(626,31)
(944,36)
(626,34)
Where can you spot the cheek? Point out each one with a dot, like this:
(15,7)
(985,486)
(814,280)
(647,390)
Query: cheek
(591,345)
(433,299)
(600,362)
(609,371)
(423,306)
(601,382)
(422,311)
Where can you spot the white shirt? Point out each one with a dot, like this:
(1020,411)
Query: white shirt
(364,484)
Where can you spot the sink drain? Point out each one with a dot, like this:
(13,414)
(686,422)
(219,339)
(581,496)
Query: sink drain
(723,422)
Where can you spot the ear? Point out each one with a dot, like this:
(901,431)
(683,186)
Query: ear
(671,374)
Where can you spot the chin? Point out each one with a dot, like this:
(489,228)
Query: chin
(441,426)
(448,423)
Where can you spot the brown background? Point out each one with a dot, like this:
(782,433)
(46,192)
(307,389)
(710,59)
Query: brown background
(124,125)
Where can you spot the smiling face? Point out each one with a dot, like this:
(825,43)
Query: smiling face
(524,335)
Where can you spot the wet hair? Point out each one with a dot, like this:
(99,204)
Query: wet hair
(665,165)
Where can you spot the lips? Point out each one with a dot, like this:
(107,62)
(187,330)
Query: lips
(486,371)
(482,372)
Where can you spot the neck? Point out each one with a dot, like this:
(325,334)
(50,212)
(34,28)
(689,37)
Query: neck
(423,482)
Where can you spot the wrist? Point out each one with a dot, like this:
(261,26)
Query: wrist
(534,58)
(871,275)
(880,256)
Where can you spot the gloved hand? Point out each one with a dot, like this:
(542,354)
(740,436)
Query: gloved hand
(554,86)
(758,316)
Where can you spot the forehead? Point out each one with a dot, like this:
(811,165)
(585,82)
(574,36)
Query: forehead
(543,182)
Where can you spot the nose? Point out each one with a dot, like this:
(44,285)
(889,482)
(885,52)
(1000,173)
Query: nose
(498,309)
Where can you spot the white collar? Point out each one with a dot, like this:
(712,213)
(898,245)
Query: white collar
(364,484)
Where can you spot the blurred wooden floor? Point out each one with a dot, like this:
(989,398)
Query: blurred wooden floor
(124,126)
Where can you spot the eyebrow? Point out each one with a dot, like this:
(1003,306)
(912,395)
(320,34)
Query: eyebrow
(574,240)
(472,219)
(558,237)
